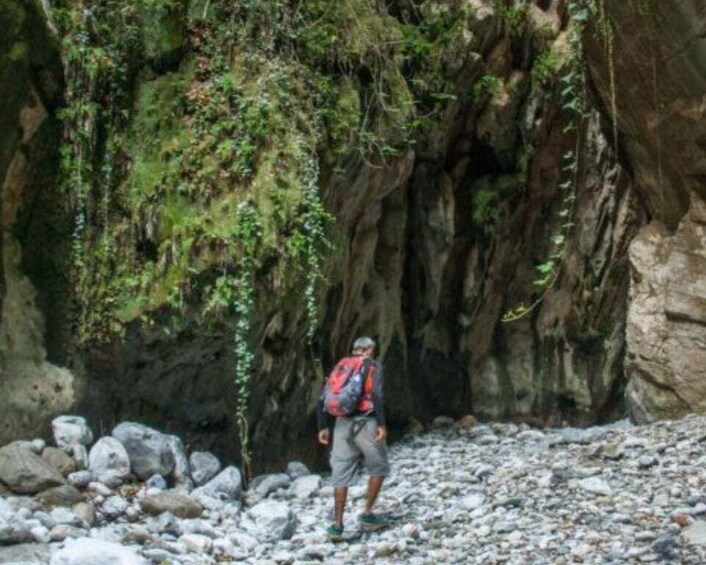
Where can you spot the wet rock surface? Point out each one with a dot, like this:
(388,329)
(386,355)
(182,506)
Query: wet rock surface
(489,493)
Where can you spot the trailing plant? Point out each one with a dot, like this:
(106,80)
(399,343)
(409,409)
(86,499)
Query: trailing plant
(572,96)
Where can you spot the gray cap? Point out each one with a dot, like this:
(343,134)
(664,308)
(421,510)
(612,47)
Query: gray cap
(363,343)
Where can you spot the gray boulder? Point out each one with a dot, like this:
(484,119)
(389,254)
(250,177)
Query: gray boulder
(227,485)
(150,451)
(272,521)
(108,457)
(204,466)
(86,551)
(181,476)
(24,472)
(71,430)
(58,459)
(174,502)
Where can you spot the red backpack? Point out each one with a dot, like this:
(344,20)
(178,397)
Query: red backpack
(344,387)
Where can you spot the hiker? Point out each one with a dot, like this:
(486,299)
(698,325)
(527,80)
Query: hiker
(353,395)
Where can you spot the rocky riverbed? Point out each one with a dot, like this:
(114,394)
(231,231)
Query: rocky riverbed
(460,493)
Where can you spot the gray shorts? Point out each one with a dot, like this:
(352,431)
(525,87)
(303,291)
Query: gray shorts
(351,448)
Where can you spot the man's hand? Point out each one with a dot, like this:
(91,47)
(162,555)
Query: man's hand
(381,433)
(324,436)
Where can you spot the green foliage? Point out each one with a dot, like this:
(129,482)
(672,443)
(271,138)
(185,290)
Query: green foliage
(486,84)
(545,67)
(572,96)
(513,13)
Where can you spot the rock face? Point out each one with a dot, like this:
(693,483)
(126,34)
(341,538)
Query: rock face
(667,319)
(655,96)
(33,238)
(25,472)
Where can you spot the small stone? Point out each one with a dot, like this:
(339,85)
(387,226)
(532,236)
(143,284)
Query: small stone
(246,541)
(99,488)
(595,485)
(85,513)
(174,502)
(132,514)
(71,430)
(647,461)
(272,483)
(60,532)
(80,479)
(306,486)
(695,533)
(197,543)
(156,482)
(64,495)
(14,531)
(273,520)
(80,456)
(468,422)
(114,506)
(442,422)
(666,546)
(296,469)
(64,516)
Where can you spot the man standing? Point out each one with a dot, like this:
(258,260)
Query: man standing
(358,437)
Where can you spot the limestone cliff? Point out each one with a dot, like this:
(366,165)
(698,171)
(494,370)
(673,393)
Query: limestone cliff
(439,134)
(657,61)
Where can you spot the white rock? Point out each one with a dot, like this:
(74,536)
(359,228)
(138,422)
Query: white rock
(71,430)
(86,551)
(273,520)
(197,543)
(306,486)
(204,466)
(227,485)
(108,456)
(296,469)
(596,485)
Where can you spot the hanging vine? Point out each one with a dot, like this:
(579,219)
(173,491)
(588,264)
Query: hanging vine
(573,102)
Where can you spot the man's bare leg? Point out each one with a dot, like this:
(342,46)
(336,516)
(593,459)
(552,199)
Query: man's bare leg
(374,486)
(340,494)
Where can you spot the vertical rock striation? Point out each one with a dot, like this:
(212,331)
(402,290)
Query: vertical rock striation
(655,96)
